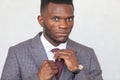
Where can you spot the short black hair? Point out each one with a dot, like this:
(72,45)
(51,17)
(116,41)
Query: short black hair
(44,3)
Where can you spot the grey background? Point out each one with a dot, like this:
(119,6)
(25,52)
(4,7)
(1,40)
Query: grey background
(97,25)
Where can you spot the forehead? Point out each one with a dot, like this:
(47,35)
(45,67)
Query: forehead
(59,9)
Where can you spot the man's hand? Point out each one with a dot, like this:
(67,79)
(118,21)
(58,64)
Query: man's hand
(47,70)
(69,58)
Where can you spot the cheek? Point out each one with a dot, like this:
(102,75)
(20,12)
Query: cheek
(49,29)
(71,24)
(53,27)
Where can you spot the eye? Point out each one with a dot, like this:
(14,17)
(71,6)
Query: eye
(69,19)
(56,19)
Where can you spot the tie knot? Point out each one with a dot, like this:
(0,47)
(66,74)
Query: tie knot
(55,50)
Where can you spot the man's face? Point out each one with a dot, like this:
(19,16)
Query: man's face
(57,21)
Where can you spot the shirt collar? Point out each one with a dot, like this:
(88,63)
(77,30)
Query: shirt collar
(48,46)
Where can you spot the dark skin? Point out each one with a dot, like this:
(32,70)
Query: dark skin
(57,21)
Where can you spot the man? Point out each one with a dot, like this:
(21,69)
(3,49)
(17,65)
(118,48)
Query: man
(36,59)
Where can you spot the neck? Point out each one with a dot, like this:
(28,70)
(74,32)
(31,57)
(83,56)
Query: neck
(53,42)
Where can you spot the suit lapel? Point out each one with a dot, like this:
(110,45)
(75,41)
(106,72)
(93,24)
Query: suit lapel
(38,51)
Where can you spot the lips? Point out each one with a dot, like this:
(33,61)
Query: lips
(62,33)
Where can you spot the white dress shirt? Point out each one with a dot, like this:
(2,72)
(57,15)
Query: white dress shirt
(48,47)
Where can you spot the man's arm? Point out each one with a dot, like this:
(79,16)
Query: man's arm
(11,69)
(92,69)
(94,72)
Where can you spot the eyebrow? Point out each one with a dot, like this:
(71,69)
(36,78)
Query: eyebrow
(70,17)
(66,17)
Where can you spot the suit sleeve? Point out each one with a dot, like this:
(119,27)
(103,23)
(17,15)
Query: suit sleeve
(94,72)
(11,69)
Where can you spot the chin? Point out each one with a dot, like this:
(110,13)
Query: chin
(62,40)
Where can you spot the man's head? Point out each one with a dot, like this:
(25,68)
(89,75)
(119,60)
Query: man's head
(57,18)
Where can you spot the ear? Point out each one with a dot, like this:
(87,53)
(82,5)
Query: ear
(40,20)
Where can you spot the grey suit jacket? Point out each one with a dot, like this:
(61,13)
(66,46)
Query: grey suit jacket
(24,61)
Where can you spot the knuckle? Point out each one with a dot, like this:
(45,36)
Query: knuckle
(71,51)
(55,71)
(45,61)
(47,65)
(68,57)
(49,68)
(70,54)
(51,71)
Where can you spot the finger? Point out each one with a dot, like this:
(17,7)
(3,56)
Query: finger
(55,71)
(52,68)
(52,64)
(65,53)
(67,50)
(64,57)
(48,61)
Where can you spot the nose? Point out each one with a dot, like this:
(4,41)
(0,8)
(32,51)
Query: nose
(63,24)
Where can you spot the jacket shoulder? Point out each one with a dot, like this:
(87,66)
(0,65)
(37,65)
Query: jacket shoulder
(77,45)
(23,44)
(28,43)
